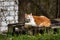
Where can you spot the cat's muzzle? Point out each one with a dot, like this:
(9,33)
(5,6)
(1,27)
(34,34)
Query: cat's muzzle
(27,20)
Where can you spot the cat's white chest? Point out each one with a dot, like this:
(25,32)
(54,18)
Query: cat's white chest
(33,23)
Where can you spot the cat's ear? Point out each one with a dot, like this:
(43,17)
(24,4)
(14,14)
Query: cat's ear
(30,13)
(25,14)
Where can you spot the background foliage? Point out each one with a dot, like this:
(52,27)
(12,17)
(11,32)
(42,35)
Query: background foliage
(47,8)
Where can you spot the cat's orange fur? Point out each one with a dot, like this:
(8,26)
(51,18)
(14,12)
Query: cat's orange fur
(41,20)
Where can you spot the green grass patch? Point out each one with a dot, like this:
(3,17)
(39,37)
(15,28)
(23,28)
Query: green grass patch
(45,36)
(32,37)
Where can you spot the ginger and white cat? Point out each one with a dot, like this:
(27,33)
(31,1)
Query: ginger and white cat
(40,21)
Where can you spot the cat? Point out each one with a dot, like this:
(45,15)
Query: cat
(40,21)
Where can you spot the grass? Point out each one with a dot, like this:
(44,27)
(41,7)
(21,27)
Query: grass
(45,36)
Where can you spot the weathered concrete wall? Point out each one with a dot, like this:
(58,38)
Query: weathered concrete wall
(8,13)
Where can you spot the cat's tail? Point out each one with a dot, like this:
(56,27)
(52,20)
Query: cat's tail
(55,22)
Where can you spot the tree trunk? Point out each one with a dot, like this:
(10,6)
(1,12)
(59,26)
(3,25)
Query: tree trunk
(21,15)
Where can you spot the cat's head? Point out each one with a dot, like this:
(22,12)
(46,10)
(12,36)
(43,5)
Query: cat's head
(28,17)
